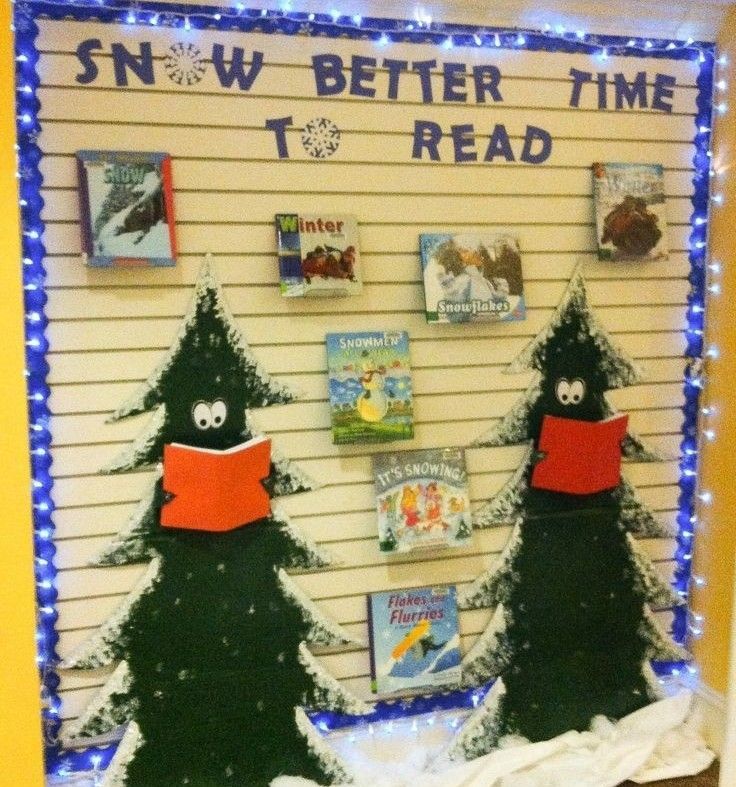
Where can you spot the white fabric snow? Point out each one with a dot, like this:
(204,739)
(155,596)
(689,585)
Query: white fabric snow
(654,743)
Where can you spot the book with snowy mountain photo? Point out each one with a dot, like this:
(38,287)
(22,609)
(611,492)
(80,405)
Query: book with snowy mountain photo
(472,278)
(370,386)
(414,639)
(127,206)
(422,499)
(319,254)
(630,216)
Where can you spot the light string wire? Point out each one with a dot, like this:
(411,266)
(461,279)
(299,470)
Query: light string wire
(703,277)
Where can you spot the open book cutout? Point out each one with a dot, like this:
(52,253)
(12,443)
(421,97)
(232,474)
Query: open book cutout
(215,490)
(580,457)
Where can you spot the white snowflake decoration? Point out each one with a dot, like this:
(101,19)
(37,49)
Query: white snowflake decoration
(184,64)
(321,138)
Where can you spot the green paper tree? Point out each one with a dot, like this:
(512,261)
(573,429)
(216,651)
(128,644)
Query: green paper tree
(572,632)
(213,669)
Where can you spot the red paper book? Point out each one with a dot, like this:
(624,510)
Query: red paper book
(216,490)
(581,457)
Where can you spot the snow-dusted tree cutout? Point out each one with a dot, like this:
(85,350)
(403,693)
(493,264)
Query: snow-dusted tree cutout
(213,664)
(572,632)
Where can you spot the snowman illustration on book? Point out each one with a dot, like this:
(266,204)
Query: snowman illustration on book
(372,404)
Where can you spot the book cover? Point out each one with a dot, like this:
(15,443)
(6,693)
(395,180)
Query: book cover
(319,254)
(127,207)
(414,639)
(215,490)
(422,499)
(630,215)
(370,386)
(472,278)
(580,457)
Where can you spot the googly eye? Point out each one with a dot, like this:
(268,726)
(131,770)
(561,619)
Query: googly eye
(577,391)
(562,391)
(219,413)
(202,415)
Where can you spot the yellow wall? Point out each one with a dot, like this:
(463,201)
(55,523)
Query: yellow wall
(716,534)
(20,739)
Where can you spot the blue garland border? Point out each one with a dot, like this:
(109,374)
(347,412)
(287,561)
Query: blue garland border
(332,25)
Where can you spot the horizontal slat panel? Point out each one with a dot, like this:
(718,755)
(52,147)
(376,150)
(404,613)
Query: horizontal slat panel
(222,144)
(109,328)
(294,176)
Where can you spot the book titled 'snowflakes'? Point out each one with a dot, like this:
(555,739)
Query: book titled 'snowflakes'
(472,278)
(630,216)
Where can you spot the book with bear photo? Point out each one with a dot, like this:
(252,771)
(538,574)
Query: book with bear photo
(319,254)
(422,499)
(414,639)
(472,278)
(630,215)
(370,386)
(127,206)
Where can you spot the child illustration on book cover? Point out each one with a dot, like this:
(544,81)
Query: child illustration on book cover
(422,499)
(370,386)
(470,278)
(414,639)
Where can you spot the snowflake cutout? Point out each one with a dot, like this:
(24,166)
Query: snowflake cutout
(305,28)
(184,64)
(26,172)
(320,138)
(168,20)
(32,137)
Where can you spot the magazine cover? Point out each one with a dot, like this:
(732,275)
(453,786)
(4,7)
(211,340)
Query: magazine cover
(414,639)
(370,386)
(422,499)
(630,216)
(318,254)
(127,208)
(472,278)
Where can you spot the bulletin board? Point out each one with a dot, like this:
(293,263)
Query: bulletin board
(424,147)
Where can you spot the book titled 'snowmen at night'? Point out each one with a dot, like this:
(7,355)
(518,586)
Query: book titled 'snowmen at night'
(370,386)
(414,639)
(127,205)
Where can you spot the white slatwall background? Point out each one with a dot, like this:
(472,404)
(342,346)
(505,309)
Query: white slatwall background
(109,328)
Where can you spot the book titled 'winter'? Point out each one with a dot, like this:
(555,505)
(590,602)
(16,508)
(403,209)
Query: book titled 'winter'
(422,499)
(414,639)
(318,254)
(472,278)
(630,211)
(370,386)
(127,208)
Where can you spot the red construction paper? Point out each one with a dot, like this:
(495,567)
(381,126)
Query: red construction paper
(213,490)
(581,457)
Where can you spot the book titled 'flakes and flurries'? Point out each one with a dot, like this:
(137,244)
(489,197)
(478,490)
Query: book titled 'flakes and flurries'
(370,386)
(319,255)
(414,639)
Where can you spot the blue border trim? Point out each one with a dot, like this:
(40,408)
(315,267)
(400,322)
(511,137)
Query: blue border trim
(380,31)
